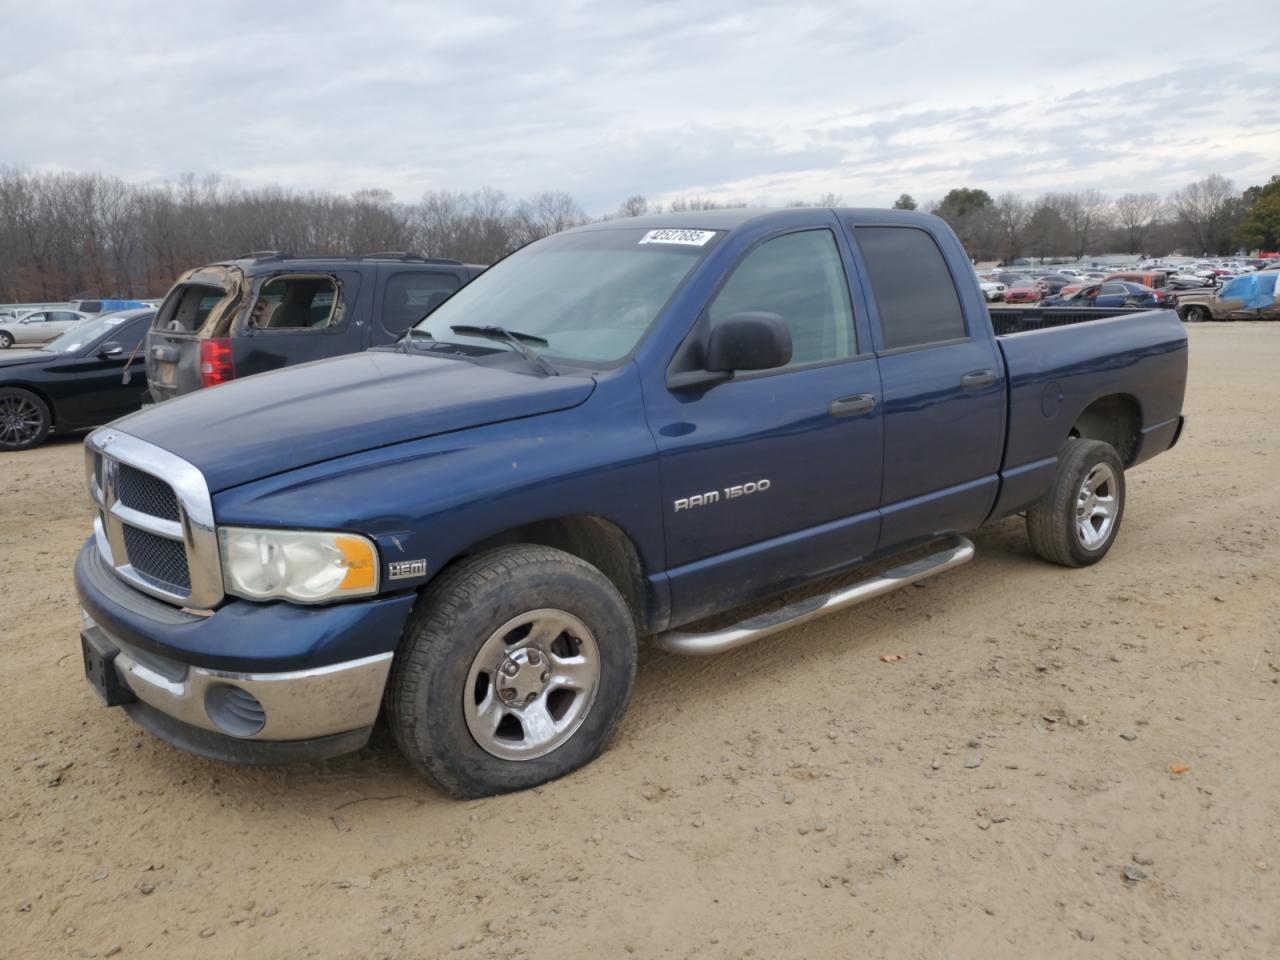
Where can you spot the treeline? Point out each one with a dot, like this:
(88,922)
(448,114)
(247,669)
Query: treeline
(63,235)
(1209,217)
(66,235)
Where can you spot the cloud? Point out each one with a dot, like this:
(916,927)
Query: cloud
(726,98)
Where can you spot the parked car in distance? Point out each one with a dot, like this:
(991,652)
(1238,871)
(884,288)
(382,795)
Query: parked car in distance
(1155,279)
(1051,283)
(1114,293)
(262,312)
(1249,297)
(992,290)
(618,431)
(1025,290)
(38,326)
(74,382)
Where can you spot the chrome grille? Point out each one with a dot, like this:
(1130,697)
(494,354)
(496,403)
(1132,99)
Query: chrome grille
(154,519)
(146,493)
(158,559)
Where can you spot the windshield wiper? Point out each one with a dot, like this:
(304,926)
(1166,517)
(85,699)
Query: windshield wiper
(514,337)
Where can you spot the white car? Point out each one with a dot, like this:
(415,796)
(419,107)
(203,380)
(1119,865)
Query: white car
(992,289)
(39,326)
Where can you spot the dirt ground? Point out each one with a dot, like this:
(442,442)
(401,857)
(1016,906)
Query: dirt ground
(981,798)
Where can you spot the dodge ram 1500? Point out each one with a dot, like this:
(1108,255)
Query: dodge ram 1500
(636,428)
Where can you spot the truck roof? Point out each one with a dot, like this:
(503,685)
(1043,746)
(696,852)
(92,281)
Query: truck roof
(733,218)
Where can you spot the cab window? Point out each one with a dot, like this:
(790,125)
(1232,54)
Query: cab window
(799,277)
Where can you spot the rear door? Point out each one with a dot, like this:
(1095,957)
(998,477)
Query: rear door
(943,385)
(297,317)
(773,476)
(196,308)
(407,295)
(60,321)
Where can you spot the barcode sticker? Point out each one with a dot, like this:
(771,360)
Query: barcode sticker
(688,238)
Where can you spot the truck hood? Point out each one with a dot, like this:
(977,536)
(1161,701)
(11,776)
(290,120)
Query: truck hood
(260,426)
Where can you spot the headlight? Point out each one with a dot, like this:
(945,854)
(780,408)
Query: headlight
(298,565)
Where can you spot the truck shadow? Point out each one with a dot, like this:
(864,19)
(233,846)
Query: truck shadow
(377,777)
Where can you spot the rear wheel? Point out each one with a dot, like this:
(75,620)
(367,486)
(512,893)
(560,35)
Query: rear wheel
(6,339)
(1077,521)
(24,419)
(515,669)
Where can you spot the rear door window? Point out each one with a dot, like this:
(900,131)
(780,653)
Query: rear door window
(297,302)
(414,294)
(913,287)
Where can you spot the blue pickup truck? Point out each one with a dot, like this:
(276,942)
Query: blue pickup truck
(638,428)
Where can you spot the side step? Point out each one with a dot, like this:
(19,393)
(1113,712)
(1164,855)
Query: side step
(957,550)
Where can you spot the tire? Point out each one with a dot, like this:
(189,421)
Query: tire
(1057,525)
(1198,315)
(24,419)
(6,339)
(449,701)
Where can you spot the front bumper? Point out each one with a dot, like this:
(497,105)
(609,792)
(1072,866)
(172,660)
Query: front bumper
(299,705)
(258,683)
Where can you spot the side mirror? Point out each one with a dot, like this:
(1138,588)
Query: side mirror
(748,341)
(110,349)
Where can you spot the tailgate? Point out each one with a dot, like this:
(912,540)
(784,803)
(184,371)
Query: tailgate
(201,305)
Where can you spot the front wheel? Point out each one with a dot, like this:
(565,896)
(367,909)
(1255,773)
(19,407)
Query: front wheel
(514,669)
(24,419)
(1077,521)
(6,339)
(1197,315)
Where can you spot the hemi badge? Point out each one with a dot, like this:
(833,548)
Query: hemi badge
(403,569)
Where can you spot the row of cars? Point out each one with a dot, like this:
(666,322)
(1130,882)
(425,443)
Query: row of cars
(1199,291)
(1072,287)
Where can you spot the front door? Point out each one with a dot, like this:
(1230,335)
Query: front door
(774,476)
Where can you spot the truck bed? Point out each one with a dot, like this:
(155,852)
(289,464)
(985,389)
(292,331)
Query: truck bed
(1056,369)
(1007,320)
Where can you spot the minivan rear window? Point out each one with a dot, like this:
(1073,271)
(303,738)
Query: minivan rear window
(188,311)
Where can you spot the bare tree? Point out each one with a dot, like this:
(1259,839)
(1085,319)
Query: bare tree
(634,206)
(1204,211)
(1136,215)
(1085,215)
(1012,214)
(546,213)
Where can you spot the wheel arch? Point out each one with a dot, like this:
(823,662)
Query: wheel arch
(1116,419)
(597,540)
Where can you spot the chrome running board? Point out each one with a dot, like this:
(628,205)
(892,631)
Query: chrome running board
(957,550)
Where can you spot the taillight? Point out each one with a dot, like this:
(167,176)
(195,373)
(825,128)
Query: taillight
(216,365)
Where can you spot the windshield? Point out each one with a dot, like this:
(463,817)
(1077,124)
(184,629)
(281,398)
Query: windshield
(83,333)
(591,296)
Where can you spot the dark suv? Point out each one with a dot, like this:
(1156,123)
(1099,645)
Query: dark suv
(270,310)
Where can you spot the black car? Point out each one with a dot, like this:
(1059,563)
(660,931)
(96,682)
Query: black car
(78,380)
(270,310)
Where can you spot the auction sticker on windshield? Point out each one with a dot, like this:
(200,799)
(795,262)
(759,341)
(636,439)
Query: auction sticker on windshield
(689,238)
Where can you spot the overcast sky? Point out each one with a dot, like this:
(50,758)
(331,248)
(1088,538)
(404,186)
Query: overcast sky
(762,102)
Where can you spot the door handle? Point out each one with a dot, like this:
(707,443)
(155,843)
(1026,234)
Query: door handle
(852,406)
(978,379)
